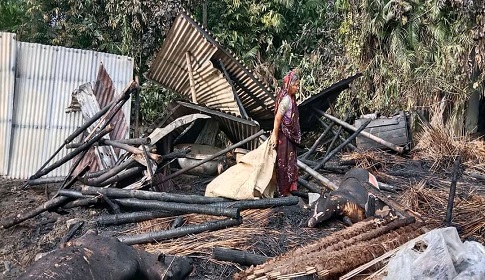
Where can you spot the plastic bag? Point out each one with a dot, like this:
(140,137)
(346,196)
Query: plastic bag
(438,254)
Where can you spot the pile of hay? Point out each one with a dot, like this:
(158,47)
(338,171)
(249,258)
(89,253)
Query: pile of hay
(468,209)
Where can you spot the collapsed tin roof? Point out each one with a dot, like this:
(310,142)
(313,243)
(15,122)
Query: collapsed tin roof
(191,55)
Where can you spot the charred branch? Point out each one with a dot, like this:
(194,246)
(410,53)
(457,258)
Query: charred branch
(178,232)
(237,256)
(134,217)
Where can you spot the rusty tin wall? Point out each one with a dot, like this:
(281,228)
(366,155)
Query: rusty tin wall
(7,80)
(169,69)
(45,78)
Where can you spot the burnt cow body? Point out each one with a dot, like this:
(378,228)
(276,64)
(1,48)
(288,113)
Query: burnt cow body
(96,257)
(351,201)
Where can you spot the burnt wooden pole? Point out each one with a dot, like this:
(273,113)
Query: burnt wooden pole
(451,197)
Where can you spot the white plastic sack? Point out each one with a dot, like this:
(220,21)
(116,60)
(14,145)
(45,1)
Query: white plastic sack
(438,254)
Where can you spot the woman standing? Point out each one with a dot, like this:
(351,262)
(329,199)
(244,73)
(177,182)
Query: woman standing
(286,134)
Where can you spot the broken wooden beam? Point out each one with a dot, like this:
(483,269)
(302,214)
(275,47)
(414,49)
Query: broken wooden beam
(178,232)
(208,209)
(149,195)
(237,256)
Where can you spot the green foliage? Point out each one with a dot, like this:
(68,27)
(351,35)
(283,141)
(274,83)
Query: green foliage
(12,14)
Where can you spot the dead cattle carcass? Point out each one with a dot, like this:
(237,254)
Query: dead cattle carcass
(96,257)
(351,201)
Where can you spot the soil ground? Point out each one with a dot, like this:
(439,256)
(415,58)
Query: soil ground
(20,244)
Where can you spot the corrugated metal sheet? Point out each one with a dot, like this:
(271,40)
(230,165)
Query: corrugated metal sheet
(170,70)
(46,76)
(235,128)
(8,49)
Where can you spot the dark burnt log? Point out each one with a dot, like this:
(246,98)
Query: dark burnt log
(177,154)
(72,230)
(208,209)
(258,203)
(42,181)
(72,154)
(341,146)
(311,187)
(451,197)
(209,158)
(50,204)
(149,195)
(72,193)
(237,256)
(71,137)
(134,217)
(179,232)
(300,194)
(128,173)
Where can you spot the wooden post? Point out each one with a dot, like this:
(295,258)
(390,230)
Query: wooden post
(191,77)
(451,197)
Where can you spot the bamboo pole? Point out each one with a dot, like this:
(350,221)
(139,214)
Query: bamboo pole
(363,133)
(179,232)
(209,158)
(180,207)
(148,195)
